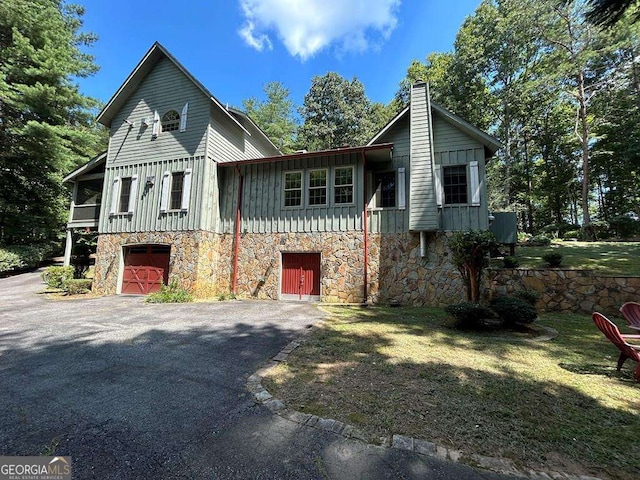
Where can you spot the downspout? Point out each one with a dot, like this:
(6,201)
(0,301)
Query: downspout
(236,241)
(365,221)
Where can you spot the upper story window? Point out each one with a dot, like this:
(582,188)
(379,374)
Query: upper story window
(293,189)
(177,185)
(385,189)
(170,121)
(318,187)
(125,195)
(343,185)
(455,184)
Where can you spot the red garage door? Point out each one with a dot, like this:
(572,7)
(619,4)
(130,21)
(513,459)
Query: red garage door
(146,268)
(301,276)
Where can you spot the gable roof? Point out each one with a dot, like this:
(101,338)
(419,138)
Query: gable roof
(156,53)
(491,143)
(87,167)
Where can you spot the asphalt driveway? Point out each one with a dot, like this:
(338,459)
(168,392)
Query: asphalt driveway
(134,390)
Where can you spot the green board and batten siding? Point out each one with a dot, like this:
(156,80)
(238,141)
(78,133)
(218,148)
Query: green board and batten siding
(393,220)
(210,136)
(452,146)
(263,208)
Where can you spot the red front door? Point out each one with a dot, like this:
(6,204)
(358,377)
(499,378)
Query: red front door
(146,269)
(301,274)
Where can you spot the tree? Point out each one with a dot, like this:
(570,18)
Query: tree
(275,115)
(470,254)
(46,124)
(335,112)
(609,12)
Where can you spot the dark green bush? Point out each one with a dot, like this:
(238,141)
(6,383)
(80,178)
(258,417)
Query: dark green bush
(529,296)
(514,311)
(552,259)
(510,262)
(173,293)
(558,230)
(539,241)
(573,234)
(18,257)
(75,286)
(625,226)
(469,314)
(57,277)
(596,230)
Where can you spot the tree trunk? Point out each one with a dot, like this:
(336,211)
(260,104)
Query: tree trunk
(584,137)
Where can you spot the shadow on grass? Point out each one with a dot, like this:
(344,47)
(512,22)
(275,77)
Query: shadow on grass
(494,409)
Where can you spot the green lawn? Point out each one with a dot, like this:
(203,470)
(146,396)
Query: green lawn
(556,406)
(609,258)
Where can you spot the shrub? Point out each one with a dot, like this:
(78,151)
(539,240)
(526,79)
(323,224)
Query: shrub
(510,262)
(469,314)
(18,257)
(539,241)
(470,254)
(558,230)
(552,259)
(625,226)
(173,293)
(596,230)
(57,277)
(75,286)
(513,310)
(573,234)
(529,296)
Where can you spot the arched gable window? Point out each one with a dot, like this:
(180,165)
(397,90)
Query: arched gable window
(170,121)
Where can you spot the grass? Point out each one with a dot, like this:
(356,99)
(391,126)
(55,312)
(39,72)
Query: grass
(608,258)
(556,406)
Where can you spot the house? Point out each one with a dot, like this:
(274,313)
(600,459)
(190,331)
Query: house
(194,191)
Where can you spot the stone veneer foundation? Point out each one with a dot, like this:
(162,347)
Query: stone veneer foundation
(396,271)
(192,261)
(203,263)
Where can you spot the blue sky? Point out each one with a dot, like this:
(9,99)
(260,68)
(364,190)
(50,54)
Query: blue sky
(234,47)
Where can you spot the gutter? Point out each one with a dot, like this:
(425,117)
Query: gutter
(236,240)
(365,220)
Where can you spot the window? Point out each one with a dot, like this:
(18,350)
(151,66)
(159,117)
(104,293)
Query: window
(89,192)
(385,185)
(455,184)
(293,189)
(343,185)
(125,194)
(318,187)
(177,182)
(170,121)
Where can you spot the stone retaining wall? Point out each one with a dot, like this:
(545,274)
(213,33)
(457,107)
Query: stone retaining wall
(568,290)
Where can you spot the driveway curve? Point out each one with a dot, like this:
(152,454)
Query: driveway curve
(135,390)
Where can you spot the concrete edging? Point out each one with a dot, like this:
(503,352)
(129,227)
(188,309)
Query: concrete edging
(496,464)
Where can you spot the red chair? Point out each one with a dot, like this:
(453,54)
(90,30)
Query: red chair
(631,313)
(611,331)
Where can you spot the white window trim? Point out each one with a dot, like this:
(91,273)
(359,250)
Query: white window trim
(186,190)
(183,117)
(164,196)
(115,196)
(466,167)
(439,186)
(284,189)
(401,189)
(474,183)
(326,187)
(133,195)
(352,184)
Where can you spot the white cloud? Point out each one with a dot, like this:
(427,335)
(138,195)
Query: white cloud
(307,26)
